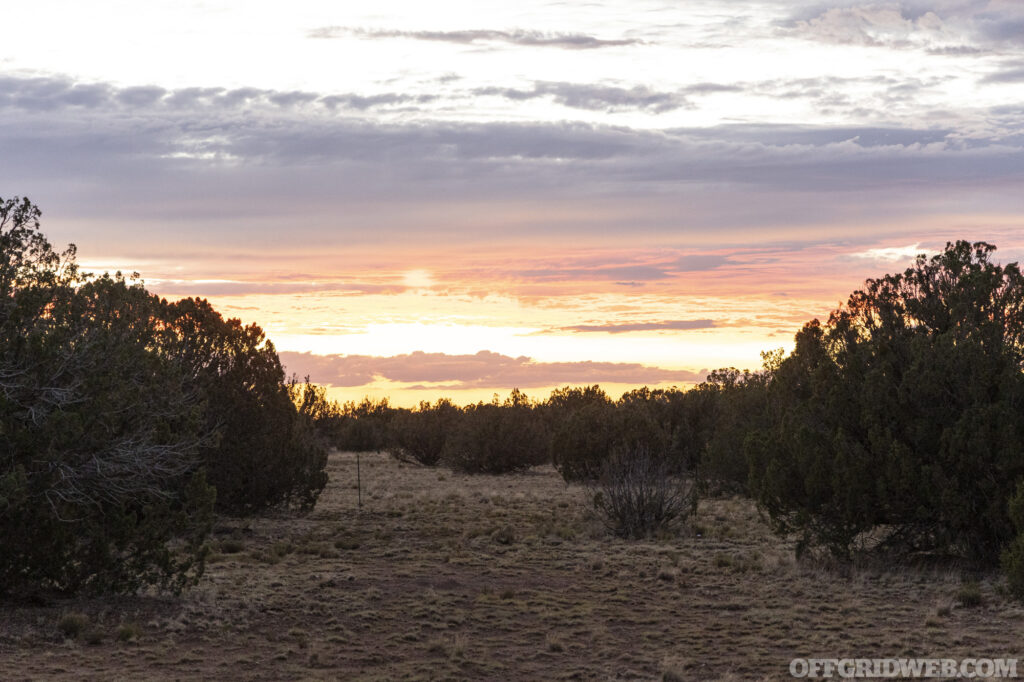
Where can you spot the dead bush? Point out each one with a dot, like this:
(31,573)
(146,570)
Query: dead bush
(638,495)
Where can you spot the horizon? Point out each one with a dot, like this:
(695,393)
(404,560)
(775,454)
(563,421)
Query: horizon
(461,199)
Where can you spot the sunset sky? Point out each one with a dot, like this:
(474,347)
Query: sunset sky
(419,199)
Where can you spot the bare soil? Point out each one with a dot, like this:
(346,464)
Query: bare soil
(444,576)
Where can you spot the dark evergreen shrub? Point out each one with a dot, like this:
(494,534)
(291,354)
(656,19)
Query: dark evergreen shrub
(420,435)
(99,429)
(586,434)
(267,453)
(898,424)
(364,426)
(583,439)
(737,403)
(1012,558)
(497,438)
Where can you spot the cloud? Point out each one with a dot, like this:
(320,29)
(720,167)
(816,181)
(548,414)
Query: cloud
(214,168)
(595,97)
(615,272)
(172,287)
(609,98)
(621,328)
(853,97)
(485,369)
(872,25)
(566,41)
(890,254)
(939,27)
(51,93)
(698,262)
(630,274)
(1012,72)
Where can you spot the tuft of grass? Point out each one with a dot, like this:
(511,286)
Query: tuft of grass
(71,625)
(458,647)
(553,643)
(300,636)
(281,549)
(94,637)
(969,595)
(346,543)
(673,670)
(739,564)
(127,632)
(231,546)
(504,535)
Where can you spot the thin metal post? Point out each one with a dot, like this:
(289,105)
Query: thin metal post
(359,482)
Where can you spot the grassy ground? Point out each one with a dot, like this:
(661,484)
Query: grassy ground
(509,577)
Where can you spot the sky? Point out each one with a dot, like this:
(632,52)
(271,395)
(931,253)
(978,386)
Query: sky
(456,198)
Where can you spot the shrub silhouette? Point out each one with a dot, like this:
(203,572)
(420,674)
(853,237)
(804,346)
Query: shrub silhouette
(583,440)
(1012,558)
(364,426)
(268,454)
(737,408)
(497,438)
(420,435)
(587,433)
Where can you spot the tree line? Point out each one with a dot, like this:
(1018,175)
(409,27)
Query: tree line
(895,428)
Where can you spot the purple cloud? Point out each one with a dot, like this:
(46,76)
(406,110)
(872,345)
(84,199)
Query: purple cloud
(485,369)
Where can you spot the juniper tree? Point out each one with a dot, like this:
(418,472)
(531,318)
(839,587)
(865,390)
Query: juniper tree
(899,422)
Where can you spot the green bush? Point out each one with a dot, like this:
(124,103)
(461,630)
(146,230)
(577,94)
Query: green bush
(268,453)
(588,433)
(969,595)
(71,625)
(738,406)
(364,426)
(99,471)
(583,440)
(899,422)
(420,435)
(497,438)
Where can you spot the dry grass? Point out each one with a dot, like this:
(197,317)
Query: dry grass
(449,576)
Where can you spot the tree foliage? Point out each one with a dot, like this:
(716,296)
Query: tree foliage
(730,405)
(497,437)
(267,454)
(898,424)
(119,415)
(420,435)
(589,428)
(364,426)
(100,431)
